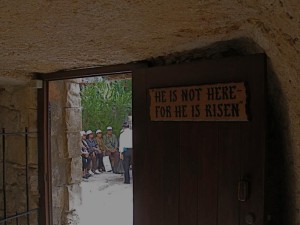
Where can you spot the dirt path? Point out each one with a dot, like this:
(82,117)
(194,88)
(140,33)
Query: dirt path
(106,200)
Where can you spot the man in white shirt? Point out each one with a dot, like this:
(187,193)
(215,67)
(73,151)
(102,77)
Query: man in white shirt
(125,149)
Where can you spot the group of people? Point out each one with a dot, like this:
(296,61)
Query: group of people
(94,148)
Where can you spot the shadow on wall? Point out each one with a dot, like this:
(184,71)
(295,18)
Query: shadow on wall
(280,181)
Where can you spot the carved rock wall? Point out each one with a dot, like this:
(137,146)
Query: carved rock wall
(18,109)
(65,151)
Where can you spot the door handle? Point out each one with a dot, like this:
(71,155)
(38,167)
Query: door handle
(243,190)
(250,218)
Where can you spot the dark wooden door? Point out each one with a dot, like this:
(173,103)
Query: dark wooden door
(188,173)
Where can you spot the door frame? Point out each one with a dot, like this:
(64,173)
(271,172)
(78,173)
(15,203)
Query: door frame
(44,154)
(45,175)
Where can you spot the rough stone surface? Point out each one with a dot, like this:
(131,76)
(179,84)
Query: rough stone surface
(15,149)
(32,119)
(73,143)
(59,202)
(15,114)
(72,123)
(65,151)
(46,36)
(76,171)
(74,197)
(73,96)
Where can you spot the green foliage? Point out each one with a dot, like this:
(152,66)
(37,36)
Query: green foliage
(106,103)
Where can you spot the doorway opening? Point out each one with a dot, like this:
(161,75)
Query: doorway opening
(164,196)
(89,180)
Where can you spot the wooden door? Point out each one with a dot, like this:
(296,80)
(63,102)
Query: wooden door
(190,173)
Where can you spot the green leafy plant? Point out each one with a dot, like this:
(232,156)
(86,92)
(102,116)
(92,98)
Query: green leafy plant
(106,103)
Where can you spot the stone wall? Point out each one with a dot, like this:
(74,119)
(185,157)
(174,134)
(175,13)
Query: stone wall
(18,109)
(65,151)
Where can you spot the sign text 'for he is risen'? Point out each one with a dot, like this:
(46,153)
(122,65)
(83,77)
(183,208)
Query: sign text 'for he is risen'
(216,102)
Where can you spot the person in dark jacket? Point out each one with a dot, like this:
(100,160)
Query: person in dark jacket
(93,150)
(86,161)
(101,146)
(111,145)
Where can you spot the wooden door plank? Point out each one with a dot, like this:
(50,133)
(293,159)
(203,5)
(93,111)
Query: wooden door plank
(165,174)
(156,172)
(140,150)
(152,178)
(204,72)
(44,157)
(229,174)
(208,174)
(189,173)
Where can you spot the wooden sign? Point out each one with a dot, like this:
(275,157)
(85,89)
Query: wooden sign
(216,102)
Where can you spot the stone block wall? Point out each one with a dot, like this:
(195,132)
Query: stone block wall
(65,125)
(18,109)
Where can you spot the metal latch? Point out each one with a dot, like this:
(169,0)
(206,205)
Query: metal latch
(243,190)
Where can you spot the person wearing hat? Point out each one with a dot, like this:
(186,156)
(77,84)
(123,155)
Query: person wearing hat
(111,146)
(101,146)
(125,150)
(93,150)
(86,161)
